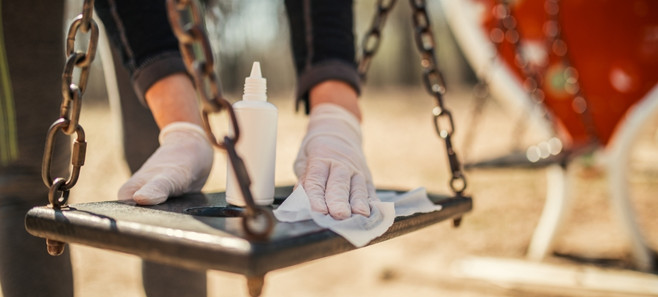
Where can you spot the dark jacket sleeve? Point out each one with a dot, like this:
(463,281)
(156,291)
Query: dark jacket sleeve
(141,31)
(323,43)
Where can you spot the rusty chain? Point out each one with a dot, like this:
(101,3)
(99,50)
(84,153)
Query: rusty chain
(579,104)
(436,87)
(507,31)
(68,121)
(187,24)
(372,39)
(432,77)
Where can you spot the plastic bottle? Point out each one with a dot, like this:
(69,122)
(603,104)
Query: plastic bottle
(257,120)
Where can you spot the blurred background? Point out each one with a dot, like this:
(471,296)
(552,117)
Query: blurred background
(404,153)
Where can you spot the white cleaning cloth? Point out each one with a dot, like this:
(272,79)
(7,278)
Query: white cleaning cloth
(358,229)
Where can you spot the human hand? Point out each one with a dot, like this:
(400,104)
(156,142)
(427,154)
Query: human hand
(331,165)
(180,165)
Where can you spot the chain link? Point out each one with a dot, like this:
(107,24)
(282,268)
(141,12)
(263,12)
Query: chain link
(70,108)
(187,24)
(92,28)
(432,77)
(435,85)
(71,94)
(257,221)
(373,37)
(197,55)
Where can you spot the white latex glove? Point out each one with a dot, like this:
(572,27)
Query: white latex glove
(331,165)
(180,165)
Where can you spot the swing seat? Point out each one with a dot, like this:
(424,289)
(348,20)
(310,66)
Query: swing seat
(186,231)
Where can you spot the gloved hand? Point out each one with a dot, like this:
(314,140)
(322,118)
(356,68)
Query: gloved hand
(180,165)
(331,165)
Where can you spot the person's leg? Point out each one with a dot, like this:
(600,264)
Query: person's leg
(165,280)
(139,131)
(140,140)
(33,41)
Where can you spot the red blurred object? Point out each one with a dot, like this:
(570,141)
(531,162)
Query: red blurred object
(613,45)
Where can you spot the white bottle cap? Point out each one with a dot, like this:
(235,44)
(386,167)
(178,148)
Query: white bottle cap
(255,86)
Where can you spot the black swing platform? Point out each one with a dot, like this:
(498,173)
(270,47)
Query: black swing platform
(201,231)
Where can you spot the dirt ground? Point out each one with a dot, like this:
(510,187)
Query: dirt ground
(403,153)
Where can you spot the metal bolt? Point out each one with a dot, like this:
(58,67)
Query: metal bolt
(255,285)
(54,247)
(457,222)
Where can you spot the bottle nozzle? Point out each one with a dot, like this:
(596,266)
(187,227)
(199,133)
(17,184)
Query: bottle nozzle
(255,70)
(255,86)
